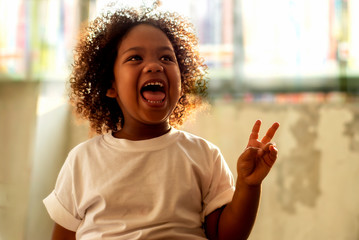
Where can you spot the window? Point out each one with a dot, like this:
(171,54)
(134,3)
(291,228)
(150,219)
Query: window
(36,38)
(257,45)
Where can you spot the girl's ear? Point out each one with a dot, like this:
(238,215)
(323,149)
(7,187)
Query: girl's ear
(111,92)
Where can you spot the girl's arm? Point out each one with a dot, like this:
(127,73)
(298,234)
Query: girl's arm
(61,233)
(236,219)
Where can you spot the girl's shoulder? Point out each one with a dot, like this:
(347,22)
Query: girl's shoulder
(195,140)
(87,145)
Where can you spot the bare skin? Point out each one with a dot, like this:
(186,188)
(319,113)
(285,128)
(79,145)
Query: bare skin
(60,233)
(145,55)
(236,219)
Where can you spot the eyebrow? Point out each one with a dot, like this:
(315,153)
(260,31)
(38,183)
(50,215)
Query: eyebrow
(164,48)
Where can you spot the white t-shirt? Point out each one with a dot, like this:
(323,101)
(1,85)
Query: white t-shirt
(161,188)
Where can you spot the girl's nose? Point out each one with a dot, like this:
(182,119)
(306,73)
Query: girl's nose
(153,67)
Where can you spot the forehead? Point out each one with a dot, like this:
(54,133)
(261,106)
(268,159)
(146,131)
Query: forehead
(145,36)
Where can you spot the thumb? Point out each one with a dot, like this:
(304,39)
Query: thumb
(250,153)
(247,160)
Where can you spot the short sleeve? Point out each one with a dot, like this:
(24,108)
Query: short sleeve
(221,188)
(61,204)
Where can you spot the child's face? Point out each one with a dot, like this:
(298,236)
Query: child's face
(147,82)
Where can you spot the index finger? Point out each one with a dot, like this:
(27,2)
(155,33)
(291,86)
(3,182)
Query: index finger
(270,133)
(255,130)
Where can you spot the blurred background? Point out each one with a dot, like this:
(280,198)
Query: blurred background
(292,61)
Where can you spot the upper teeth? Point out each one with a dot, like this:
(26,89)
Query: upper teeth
(154,83)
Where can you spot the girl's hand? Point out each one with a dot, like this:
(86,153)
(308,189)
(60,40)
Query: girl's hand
(257,159)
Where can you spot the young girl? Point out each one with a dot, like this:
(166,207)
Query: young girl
(137,74)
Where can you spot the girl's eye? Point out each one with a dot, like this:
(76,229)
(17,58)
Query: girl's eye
(167,58)
(134,58)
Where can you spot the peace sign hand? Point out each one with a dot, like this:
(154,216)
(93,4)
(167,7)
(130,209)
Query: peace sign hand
(257,159)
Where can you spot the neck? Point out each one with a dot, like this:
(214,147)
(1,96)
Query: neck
(142,132)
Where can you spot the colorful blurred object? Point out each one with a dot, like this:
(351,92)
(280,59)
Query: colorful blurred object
(36,38)
(249,45)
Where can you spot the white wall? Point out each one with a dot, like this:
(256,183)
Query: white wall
(17,133)
(312,191)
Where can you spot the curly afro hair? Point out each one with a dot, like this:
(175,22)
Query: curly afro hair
(96,53)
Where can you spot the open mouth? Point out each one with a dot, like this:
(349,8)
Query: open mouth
(153,92)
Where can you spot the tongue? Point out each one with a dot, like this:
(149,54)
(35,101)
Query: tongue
(154,96)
